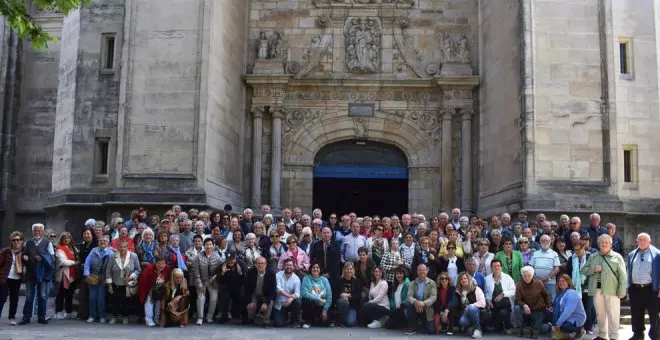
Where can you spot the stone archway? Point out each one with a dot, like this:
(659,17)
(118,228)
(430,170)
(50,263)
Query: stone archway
(415,132)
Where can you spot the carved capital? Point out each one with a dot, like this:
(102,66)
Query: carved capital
(278,112)
(257,111)
(466,114)
(447,114)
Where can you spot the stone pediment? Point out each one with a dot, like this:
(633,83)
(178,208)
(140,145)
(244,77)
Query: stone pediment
(288,81)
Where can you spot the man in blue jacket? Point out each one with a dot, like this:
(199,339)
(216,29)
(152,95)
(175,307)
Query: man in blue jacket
(644,286)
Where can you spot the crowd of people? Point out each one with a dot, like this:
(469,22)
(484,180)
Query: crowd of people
(444,274)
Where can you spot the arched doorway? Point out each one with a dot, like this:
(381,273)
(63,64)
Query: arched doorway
(367,178)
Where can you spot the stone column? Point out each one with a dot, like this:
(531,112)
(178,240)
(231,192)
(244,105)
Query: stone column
(276,159)
(447,173)
(257,142)
(466,161)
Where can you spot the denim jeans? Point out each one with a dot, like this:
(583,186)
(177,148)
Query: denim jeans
(34,288)
(569,327)
(282,313)
(152,310)
(537,319)
(551,288)
(97,295)
(471,318)
(347,314)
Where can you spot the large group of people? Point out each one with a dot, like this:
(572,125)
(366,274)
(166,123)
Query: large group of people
(444,274)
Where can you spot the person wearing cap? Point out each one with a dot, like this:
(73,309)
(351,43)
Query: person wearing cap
(230,278)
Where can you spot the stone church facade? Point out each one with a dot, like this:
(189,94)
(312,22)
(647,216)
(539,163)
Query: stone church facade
(497,105)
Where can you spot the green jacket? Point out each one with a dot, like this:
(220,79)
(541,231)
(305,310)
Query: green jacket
(404,295)
(613,281)
(430,295)
(516,263)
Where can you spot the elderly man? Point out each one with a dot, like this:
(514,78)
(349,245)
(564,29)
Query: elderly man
(595,229)
(477,277)
(422,294)
(406,224)
(327,254)
(455,216)
(287,218)
(532,302)
(40,263)
(186,236)
(574,226)
(522,218)
(608,281)
(545,262)
(351,244)
(644,286)
(260,292)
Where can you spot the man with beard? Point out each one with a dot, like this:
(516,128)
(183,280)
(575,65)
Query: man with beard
(287,302)
(545,262)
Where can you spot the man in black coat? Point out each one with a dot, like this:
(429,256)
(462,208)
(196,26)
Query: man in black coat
(327,254)
(260,291)
(230,279)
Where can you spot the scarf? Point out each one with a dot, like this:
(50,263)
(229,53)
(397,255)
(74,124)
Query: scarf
(481,267)
(72,269)
(181,263)
(148,251)
(556,304)
(18,261)
(576,276)
(442,296)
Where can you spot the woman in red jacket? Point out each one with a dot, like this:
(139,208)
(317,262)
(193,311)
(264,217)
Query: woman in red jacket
(151,287)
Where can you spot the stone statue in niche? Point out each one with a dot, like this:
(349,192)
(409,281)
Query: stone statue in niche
(454,48)
(362,36)
(262,46)
(276,46)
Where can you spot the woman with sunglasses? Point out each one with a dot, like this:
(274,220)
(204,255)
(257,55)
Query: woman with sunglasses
(483,257)
(525,250)
(11,274)
(446,298)
(398,298)
(300,258)
(275,250)
(451,263)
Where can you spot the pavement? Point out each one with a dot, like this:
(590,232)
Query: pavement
(75,329)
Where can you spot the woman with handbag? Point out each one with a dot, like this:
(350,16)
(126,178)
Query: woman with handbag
(204,267)
(11,274)
(174,305)
(121,277)
(151,288)
(66,275)
(94,271)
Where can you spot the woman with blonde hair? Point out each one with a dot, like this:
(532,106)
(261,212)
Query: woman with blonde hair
(470,300)
(347,290)
(174,304)
(66,261)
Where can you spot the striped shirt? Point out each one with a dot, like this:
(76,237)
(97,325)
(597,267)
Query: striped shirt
(544,262)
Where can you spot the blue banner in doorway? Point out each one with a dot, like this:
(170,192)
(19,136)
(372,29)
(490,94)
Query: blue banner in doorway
(321,171)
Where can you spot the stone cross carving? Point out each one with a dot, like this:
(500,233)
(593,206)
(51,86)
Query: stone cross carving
(362,36)
(454,48)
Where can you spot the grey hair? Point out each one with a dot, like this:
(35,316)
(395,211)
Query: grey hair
(148,231)
(422,225)
(605,237)
(38,226)
(200,222)
(248,210)
(421,217)
(258,224)
(186,221)
(505,214)
(594,215)
(317,210)
(463,218)
(444,215)
(496,231)
(317,220)
(250,235)
(644,236)
(104,237)
(562,216)
(527,269)
(575,218)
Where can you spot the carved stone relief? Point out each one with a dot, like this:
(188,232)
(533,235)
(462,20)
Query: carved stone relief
(358,95)
(296,119)
(454,48)
(407,54)
(320,47)
(273,47)
(361,127)
(362,38)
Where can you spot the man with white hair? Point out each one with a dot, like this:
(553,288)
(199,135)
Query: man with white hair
(595,229)
(644,286)
(247,223)
(406,224)
(575,225)
(608,281)
(545,262)
(287,217)
(455,215)
(532,302)
(505,218)
(40,263)
(318,214)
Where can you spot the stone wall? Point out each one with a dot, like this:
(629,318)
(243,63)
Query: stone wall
(500,140)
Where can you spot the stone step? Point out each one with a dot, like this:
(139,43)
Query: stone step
(627,320)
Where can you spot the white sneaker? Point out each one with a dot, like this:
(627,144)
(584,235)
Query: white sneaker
(306,326)
(60,316)
(200,322)
(125,321)
(113,321)
(151,323)
(48,317)
(102,320)
(12,322)
(90,320)
(476,334)
(375,324)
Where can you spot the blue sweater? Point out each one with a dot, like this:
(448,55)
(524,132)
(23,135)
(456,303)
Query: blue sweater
(569,305)
(95,259)
(317,289)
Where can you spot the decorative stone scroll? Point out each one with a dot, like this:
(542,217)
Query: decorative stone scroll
(320,46)
(410,55)
(363,44)
(296,119)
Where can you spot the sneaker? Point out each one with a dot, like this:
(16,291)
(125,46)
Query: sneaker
(113,321)
(476,334)
(375,324)
(150,323)
(24,322)
(410,332)
(48,317)
(580,335)
(125,321)
(590,332)
(12,322)
(508,331)
(102,320)
(306,326)
(200,322)
(90,320)
(450,333)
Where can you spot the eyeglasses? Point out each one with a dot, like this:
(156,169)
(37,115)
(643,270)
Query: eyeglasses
(292,242)
(53,236)
(18,240)
(169,215)
(573,222)
(523,242)
(225,218)
(484,244)
(444,279)
(451,248)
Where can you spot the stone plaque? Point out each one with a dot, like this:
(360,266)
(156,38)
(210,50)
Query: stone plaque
(360,110)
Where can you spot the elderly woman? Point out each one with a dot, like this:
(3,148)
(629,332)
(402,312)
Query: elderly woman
(116,224)
(305,243)
(525,250)
(163,246)
(569,314)
(532,302)
(236,243)
(66,276)
(348,295)
(121,274)
(511,260)
(177,258)
(200,229)
(300,258)
(391,260)
(469,302)
(146,248)
(205,266)
(268,223)
(276,249)
(123,236)
(617,244)
(11,274)
(174,305)
(496,244)
(251,250)
(151,287)
(262,241)
(196,249)
(483,257)
(94,276)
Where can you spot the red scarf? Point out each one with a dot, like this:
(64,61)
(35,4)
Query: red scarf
(70,256)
